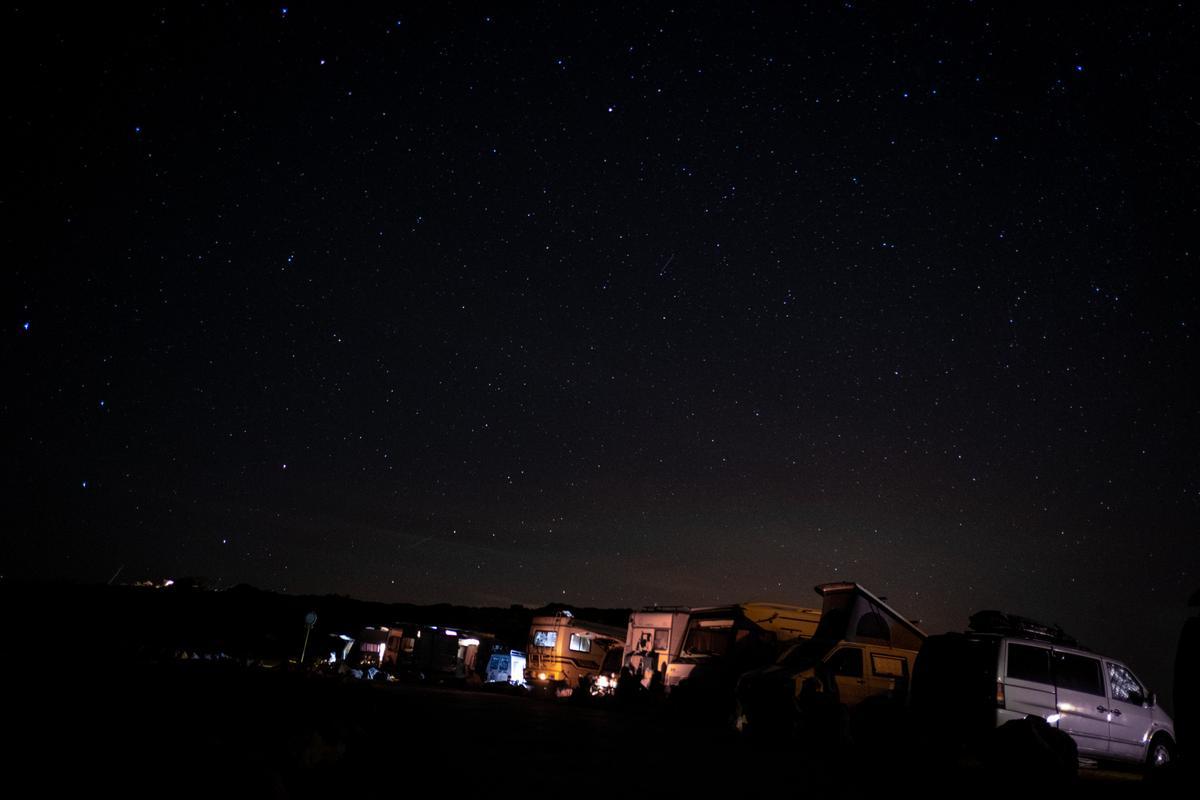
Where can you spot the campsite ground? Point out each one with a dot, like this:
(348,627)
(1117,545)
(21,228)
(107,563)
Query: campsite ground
(213,729)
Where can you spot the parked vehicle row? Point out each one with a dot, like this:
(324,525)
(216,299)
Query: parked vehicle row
(772,669)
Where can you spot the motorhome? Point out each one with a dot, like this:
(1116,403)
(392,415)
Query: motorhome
(653,640)
(565,653)
(721,642)
(862,648)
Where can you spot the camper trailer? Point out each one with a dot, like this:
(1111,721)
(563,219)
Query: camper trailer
(722,642)
(862,649)
(506,667)
(652,641)
(565,653)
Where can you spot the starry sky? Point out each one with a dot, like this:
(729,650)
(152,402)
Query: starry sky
(611,306)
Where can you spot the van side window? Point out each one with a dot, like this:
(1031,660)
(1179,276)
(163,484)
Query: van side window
(848,661)
(1027,663)
(1124,686)
(1078,673)
(889,666)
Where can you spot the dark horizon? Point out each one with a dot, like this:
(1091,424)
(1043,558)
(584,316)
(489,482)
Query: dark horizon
(612,307)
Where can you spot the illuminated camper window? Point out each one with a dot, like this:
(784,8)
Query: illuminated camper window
(545,638)
(579,644)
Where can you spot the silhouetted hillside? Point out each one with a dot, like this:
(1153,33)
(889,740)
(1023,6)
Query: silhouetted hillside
(88,621)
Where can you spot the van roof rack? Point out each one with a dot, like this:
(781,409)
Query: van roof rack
(1012,625)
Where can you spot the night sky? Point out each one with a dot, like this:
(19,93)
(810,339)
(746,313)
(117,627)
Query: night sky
(611,307)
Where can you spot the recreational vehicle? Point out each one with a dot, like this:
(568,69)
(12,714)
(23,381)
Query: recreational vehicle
(565,653)
(653,640)
(862,649)
(506,666)
(722,642)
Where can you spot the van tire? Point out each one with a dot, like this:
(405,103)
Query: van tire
(1160,753)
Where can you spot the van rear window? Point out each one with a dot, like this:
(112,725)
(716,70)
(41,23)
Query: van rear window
(1027,663)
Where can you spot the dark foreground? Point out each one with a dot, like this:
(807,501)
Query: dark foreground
(219,730)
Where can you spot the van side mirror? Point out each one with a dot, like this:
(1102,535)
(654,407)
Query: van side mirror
(1153,701)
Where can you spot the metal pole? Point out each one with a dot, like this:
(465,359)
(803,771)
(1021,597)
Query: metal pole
(307,630)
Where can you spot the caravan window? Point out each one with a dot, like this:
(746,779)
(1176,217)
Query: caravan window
(707,639)
(662,639)
(580,644)
(545,638)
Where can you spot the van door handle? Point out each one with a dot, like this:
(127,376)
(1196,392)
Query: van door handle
(1116,712)
(1102,709)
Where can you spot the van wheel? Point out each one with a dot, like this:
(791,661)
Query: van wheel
(1161,752)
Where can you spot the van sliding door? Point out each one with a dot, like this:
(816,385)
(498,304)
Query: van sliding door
(1082,701)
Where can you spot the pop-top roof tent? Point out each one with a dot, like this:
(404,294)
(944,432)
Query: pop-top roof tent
(851,613)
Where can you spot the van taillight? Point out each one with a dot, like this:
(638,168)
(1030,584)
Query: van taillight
(999,694)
